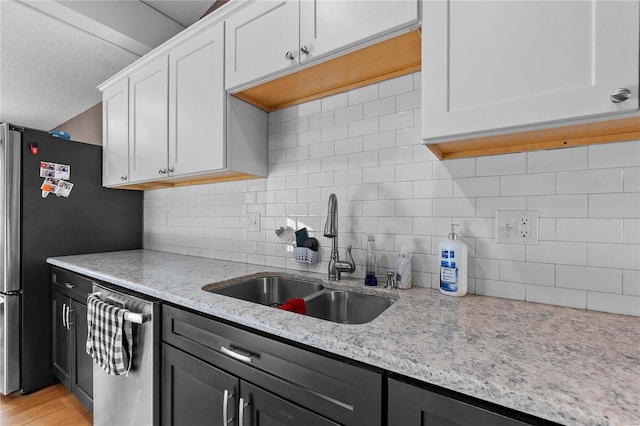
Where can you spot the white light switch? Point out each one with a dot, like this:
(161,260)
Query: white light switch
(517,227)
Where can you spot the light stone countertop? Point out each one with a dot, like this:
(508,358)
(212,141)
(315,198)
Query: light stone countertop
(570,366)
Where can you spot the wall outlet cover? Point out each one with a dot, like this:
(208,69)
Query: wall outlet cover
(253,222)
(517,226)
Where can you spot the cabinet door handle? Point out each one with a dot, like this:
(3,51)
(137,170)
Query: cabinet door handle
(289,55)
(304,49)
(237,354)
(123,178)
(241,408)
(225,407)
(620,95)
(170,170)
(162,171)
(64,315)
(69,285)
(69,323)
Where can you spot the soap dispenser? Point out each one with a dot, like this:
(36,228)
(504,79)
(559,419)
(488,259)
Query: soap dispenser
(372,258)
(453,265)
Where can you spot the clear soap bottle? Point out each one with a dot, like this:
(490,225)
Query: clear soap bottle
(372,258)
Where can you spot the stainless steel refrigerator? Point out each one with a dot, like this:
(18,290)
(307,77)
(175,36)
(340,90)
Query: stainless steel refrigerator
(52,203)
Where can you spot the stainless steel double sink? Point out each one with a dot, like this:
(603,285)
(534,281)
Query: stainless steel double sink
(339,306)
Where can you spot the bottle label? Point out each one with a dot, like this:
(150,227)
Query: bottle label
(448,275)
(448,254)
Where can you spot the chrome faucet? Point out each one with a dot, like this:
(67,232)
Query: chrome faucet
(336,266)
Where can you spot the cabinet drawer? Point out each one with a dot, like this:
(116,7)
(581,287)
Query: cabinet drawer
(71,284)
(343,392)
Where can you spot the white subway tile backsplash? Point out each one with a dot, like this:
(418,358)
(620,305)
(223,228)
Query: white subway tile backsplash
(531,184)
(363,94)
(559,252)
(465,167)
(334,102)
(595,230)
(395,86)
(458,207)
(631,179)
(442,188)
(606,280)
(527,272)
(487,206)
(380,141)
(631,282)
(476,187)
(502,289)
(625,256)
(400,156)
(614,155)
(559,205)
(378,174)
(379,107)
(589,181)
(349,146)
(631,231)
(349,114)
(557,296)
(397,120)
(615,303)
(322,119)
(614,205)
(365,145)
(557,160)
(506,164)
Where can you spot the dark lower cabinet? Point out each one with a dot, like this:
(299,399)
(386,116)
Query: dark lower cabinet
(410,405)
(197,393)
(215,373)
(70,362)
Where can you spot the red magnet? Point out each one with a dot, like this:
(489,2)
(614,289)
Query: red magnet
(34,148)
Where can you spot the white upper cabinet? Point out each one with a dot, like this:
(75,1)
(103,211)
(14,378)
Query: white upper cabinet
(490,66)
(197,104)
(261,39)
(329,25)
(148,121)
(115,133)
(268,37)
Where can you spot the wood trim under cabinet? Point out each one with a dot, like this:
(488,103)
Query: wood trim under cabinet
(391,58)
(189,180)
(620,130)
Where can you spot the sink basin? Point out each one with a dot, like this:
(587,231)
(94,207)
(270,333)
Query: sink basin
(338,306)
(269,291)
(346,307)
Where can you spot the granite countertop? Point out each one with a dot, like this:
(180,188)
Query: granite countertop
(561,364)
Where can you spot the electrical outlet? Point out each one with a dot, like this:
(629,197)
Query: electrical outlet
(253,222)
(517,227)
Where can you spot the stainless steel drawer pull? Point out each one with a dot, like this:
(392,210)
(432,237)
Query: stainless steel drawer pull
(69,285)
(237,354)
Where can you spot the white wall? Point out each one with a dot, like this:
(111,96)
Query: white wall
(364,145)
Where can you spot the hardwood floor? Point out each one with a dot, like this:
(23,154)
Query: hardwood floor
(53,405)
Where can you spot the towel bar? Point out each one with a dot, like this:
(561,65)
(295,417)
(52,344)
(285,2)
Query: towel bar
(131,316)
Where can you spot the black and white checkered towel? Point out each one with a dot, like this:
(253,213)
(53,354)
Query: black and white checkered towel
(109,337)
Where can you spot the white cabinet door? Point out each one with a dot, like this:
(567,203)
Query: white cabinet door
(491,65)
(197,103)
(115,134)
(148,118)
(261,39)
(329,25)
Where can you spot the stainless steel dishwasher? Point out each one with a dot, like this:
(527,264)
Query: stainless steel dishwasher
(132,399)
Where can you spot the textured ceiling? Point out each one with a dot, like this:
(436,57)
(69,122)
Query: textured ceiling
(49,69)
